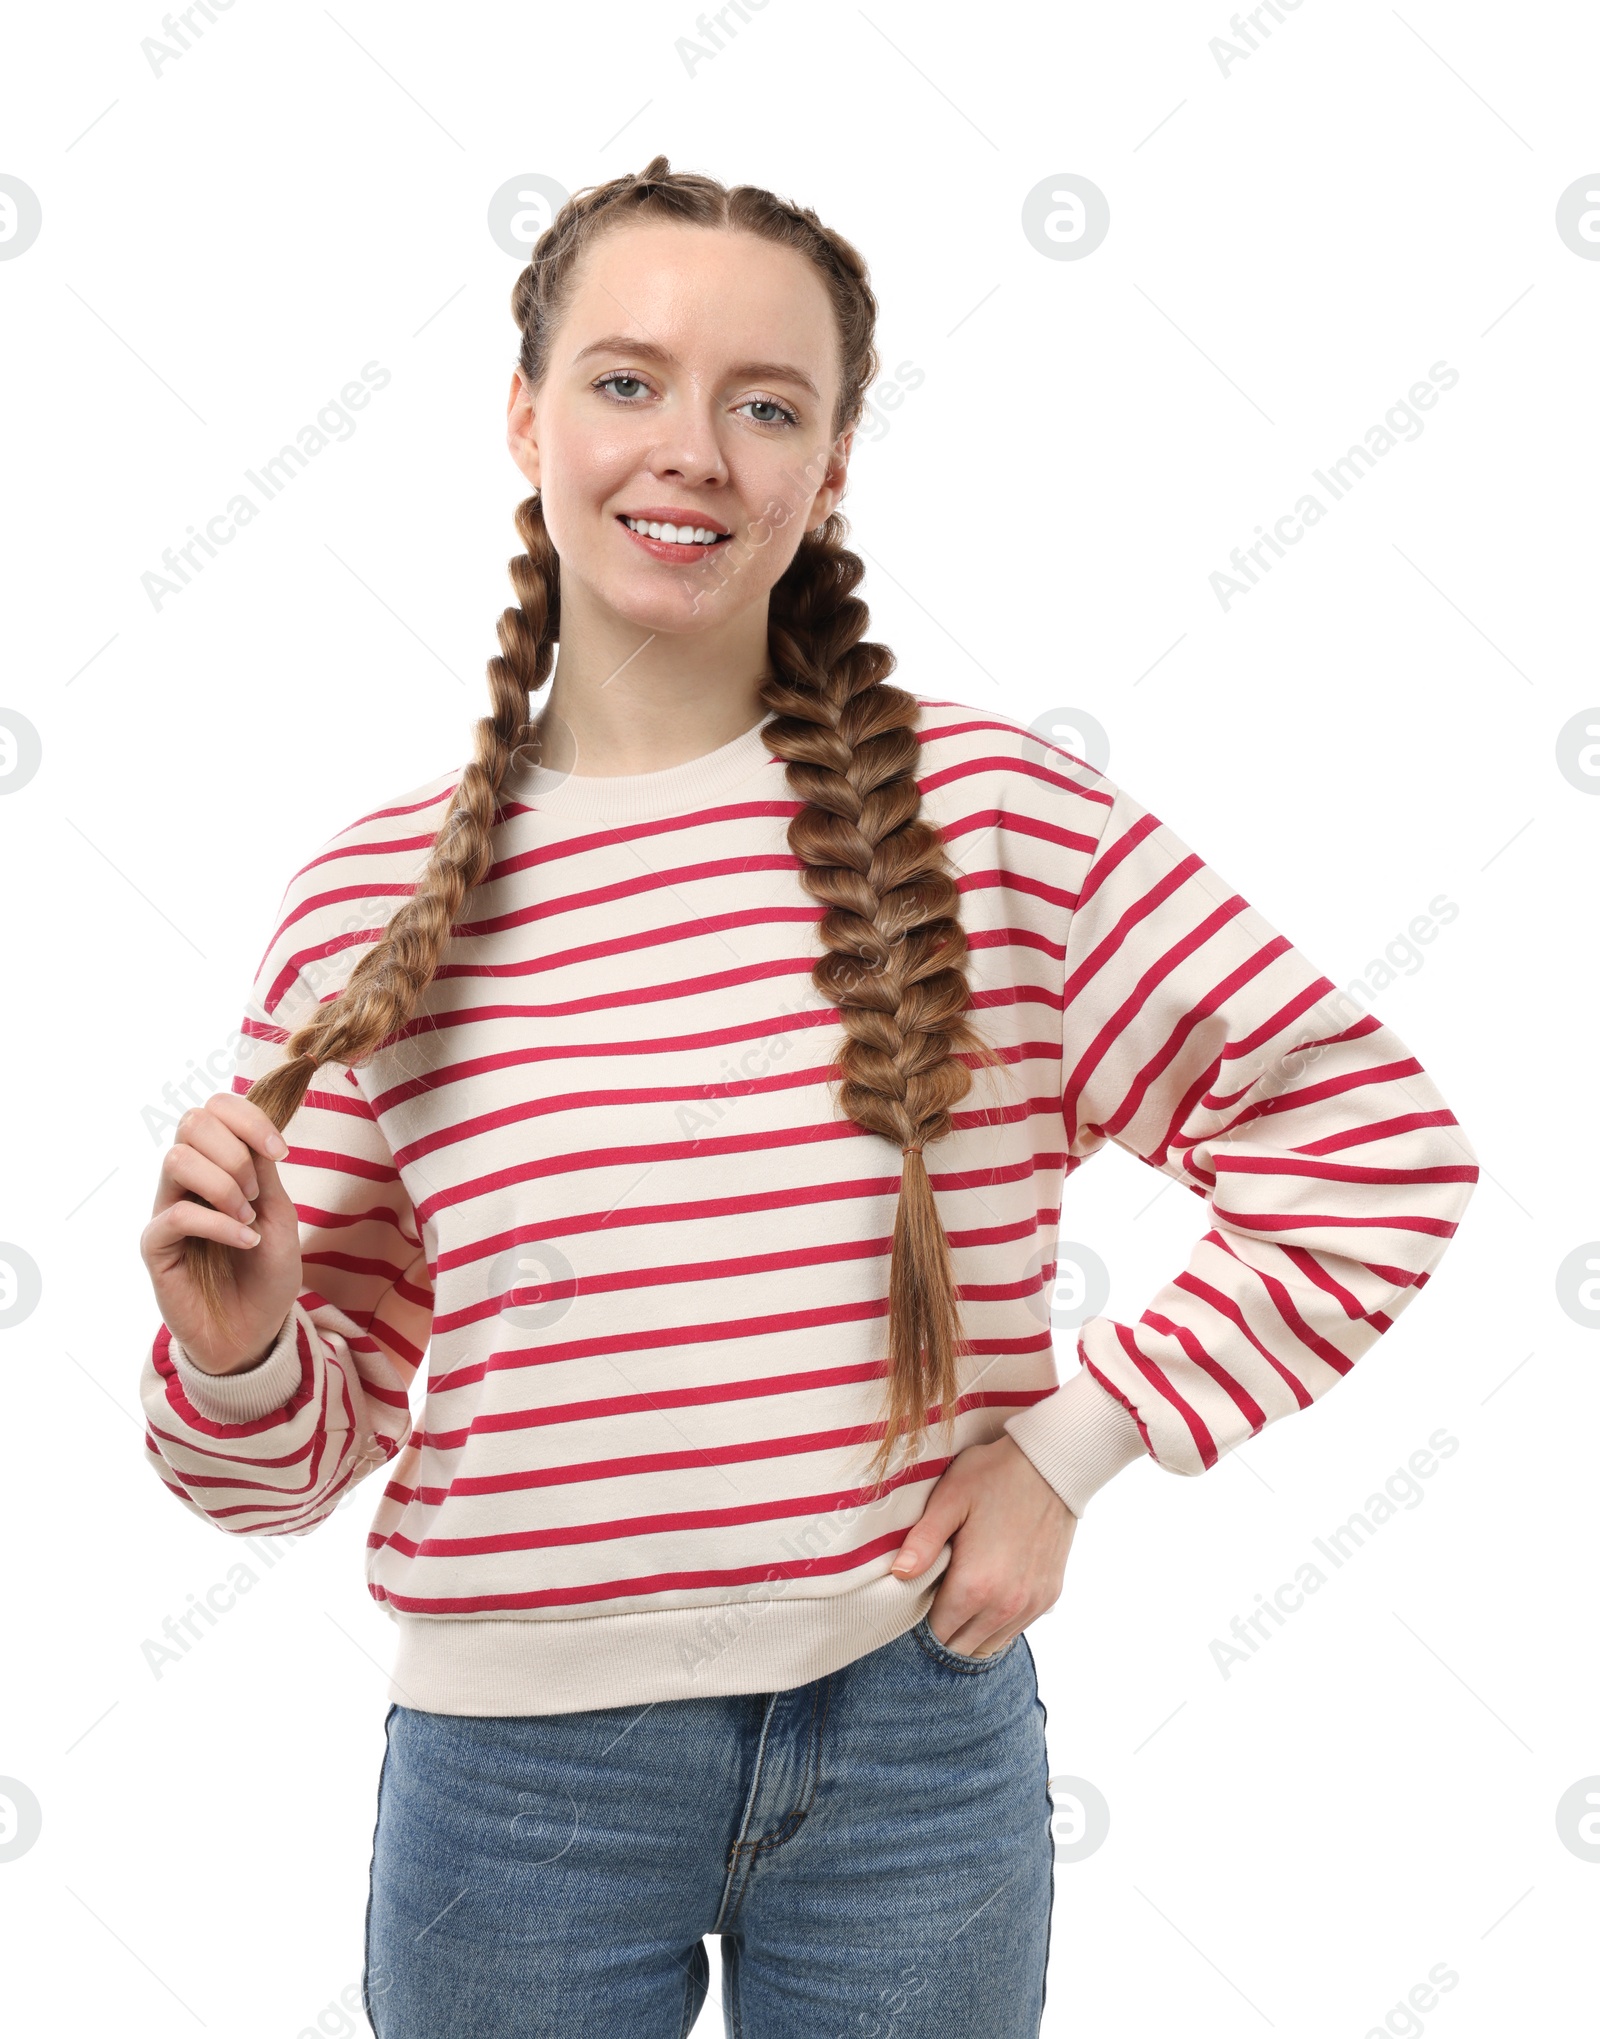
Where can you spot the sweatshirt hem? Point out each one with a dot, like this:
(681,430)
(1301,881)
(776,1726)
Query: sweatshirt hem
(515,1665)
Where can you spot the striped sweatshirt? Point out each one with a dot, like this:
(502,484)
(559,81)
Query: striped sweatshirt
(601,1182)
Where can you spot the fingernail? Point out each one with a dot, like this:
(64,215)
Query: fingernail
(250,1238)
(247,1213)
(902,1564)
(277,1146)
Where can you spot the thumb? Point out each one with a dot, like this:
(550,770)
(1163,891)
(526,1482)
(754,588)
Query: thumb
(271,1193)
(925,1540)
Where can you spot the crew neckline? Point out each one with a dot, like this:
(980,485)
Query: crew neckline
(646,796)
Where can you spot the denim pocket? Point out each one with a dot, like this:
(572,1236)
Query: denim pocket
(957,1659)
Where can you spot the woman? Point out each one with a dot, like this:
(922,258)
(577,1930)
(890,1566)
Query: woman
(681,1648)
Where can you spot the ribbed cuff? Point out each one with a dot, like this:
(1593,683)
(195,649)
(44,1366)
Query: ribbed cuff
(253,1391)
(1078,1438)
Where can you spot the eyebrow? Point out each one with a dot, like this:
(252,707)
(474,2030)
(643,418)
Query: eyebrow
(628,343)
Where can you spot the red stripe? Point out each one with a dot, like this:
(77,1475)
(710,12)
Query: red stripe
(735,1206)
(1260,1221)
(1311,1340)
(700,1148)
(747,1451)
(1299,1163)
(704,1579)
(1194,1350)
(1168,1393)
(1113,1029)
(567,1535)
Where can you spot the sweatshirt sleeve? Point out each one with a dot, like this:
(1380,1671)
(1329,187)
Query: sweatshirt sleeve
(1333,1173)
(272,1450)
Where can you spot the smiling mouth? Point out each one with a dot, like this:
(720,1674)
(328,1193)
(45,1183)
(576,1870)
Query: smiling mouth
(694,537)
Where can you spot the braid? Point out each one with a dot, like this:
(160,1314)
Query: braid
(893,946)
(894,956)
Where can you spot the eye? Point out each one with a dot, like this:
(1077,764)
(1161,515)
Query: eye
(771,403)
(621,375)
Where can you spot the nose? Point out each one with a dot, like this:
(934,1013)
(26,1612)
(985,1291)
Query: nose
(688,448)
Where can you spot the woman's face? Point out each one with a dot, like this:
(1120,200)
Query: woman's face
(691,382)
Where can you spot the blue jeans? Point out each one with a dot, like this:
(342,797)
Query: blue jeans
(875,1850)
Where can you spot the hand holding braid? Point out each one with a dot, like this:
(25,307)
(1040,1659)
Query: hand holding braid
(385,988)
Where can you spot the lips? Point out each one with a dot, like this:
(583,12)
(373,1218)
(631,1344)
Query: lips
(694,519)
(679,553)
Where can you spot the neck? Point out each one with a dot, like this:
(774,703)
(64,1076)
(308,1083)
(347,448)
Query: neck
(626,699)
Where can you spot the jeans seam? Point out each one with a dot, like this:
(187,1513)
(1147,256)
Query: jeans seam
(750,1851)
(738,1860)
(811,1781)
(1050,1830)
(691,2004)
(366,1936)
(730,1964)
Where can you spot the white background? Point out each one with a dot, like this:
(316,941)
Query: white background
(1293,243)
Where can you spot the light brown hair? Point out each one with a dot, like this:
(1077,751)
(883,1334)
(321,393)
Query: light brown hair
(894,956)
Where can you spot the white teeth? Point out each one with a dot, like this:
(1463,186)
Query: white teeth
(674,534)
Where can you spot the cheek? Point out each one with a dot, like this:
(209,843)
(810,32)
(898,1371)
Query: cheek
(752,564)
(782,494)
(592,468)
(582,478)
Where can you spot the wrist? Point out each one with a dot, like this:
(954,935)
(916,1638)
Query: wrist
(221,1369)
(1078,1439)
(1022,1459)
(247,1388)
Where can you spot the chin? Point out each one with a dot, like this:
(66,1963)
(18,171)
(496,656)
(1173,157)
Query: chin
(682,607)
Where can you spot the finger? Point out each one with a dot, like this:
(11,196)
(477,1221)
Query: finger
(186,1219)
(250,1123)
(979,1634)
(267,1148)
(211,1136)
(966,1612)
(972,1639)
(948,1627)
(185,1170)
(221,1130)
(272,1200)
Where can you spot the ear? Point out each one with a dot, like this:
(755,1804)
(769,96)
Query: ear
(522,428)
(831,492)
